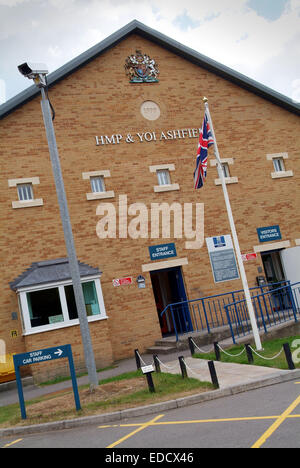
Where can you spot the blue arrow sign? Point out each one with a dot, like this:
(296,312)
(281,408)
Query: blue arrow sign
(42,355)
(45,355)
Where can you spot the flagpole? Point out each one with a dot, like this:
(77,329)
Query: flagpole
(234,235)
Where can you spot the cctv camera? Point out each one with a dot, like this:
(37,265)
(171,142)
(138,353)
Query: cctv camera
(30,69)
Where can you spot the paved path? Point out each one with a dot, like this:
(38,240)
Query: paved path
(228,373)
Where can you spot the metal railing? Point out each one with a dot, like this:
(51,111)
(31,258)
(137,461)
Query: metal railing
(278,305)
(206,313)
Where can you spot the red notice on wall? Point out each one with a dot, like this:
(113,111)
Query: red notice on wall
(122,281)
(249,256)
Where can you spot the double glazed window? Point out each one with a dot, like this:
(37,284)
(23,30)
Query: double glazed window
(55,306)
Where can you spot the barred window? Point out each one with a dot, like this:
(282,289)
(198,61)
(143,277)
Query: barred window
(225,168)
(163,177)
(25,192)
(97,184)
(278,164)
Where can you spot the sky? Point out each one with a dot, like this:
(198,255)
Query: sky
(258,38)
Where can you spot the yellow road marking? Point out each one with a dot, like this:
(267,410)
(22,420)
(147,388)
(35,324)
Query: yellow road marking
(276,424)
(199,421)
(141,428)
(111,425)
(12,443)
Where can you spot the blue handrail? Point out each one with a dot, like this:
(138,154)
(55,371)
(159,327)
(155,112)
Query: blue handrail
(207,312)
(281,301)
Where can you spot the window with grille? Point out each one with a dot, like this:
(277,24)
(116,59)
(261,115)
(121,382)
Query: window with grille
(25,192)
(278,164)
(163,177)
(225,168)
(97,184)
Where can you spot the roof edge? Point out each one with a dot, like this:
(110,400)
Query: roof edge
(17,285)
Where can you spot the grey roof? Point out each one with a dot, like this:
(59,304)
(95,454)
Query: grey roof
(50,271)
(135,27)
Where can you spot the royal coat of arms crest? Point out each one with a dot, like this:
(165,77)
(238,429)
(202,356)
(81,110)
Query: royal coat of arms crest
(141,68)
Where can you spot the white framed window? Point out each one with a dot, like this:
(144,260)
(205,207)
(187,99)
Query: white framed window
(25,192)
(278,164)
(97,184)
(53,306)
(225,168)
(279,160)
(163,175)
(226,163)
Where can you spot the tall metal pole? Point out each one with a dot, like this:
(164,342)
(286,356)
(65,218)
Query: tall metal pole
(235,237)
(73,261)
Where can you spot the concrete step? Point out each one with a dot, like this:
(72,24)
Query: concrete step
(161,349)
(221,334)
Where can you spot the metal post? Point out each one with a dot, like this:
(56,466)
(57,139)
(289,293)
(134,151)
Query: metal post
(288,356)
(217,351)
(249,353)
(73,377)
(182,367)
(213,374)
(191,345)
(150,382)
(73,261)
(234,237)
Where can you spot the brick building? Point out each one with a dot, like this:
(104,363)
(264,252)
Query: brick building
(127,139)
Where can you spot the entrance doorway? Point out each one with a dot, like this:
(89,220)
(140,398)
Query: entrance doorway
(168,288)
(272,266)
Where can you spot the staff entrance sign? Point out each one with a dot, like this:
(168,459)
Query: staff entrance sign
(44,355)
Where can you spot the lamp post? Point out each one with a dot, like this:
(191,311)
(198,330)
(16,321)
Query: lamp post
(37,72)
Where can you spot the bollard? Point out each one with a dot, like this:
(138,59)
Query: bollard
(249,353)
(213,374)
(150,382)
(137,359)
(156,363)
(217,351)
(191,345)
(288,356)
(182,367)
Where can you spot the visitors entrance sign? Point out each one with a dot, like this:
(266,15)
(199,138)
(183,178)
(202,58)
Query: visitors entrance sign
(44,355)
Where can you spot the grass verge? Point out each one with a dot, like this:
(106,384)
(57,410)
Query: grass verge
(128,390)
(271,348)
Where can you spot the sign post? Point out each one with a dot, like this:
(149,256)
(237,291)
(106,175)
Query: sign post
(44,355)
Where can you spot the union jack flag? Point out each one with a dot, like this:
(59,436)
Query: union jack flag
(205,141)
